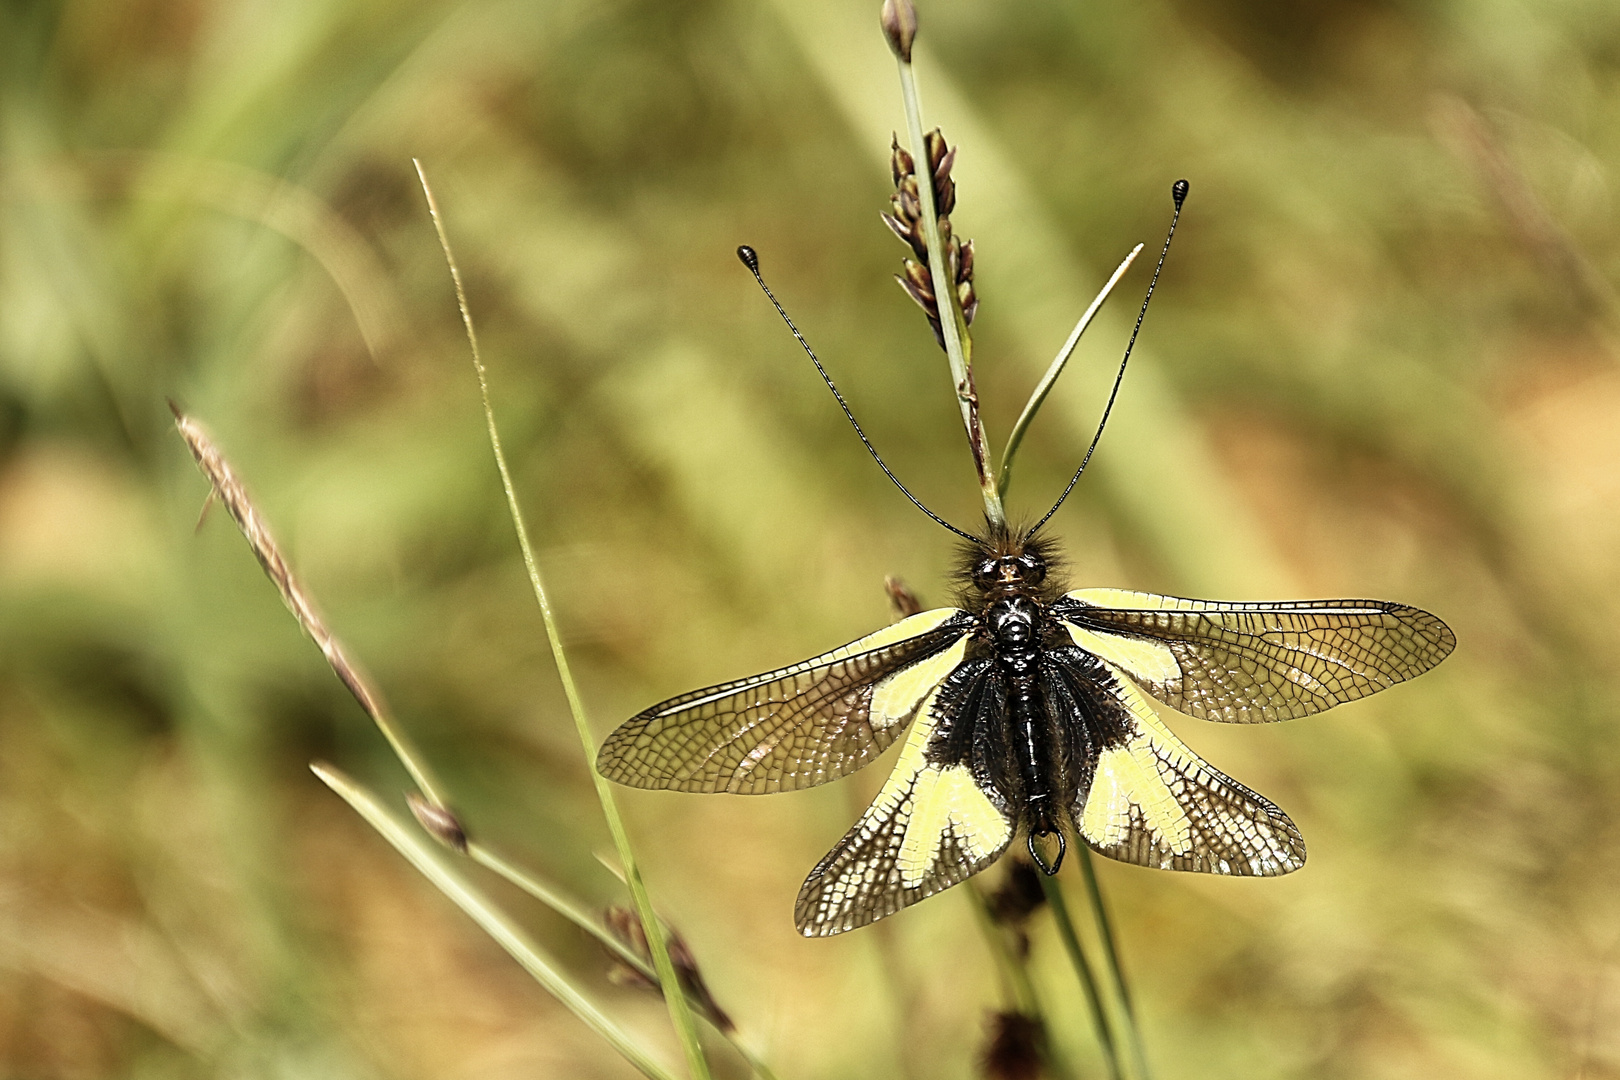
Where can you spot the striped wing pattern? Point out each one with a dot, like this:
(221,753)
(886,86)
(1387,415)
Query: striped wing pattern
(1255,662)
(930,827)
(795,727)
(1154,802)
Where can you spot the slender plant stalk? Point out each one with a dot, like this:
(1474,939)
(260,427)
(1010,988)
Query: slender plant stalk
(1082,968)
(1017,986)
(1044,387)
(586,920)
(430,810)
(229,490)
(952,325)
(899,20)
(492,920)
(566,906)
(680,1012)
(1105,931)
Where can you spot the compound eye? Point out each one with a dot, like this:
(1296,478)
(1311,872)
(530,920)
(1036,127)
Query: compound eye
(1034,570)
(984,574)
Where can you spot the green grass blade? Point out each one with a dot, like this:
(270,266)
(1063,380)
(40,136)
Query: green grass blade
(1044,387)
(1083,969)
(1105,931)
(422,853)
(586,920)
(680,1013)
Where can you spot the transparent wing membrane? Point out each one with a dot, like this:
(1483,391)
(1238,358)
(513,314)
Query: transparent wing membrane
(1255,662)
(795,727)
(1154,802)
(931,827)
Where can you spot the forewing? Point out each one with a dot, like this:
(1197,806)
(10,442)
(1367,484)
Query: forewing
(1154,802)
(932,826)
(1252,663)
(793,728)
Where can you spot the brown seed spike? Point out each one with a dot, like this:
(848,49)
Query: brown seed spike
(439,822)
(919,276)
(905,221)
(1015,1048)
(899,19)
(924,300)
(904,600)
(900,163)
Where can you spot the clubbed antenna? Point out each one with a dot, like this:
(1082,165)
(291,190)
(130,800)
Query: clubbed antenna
(750,259)
(1178,192)
(906,221)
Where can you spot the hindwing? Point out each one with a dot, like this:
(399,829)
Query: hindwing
(936,822)
(1150,800)
(795,727)
(1251,663)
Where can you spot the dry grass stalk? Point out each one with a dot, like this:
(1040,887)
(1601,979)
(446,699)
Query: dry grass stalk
(231,492)
(624,925)
(905,601)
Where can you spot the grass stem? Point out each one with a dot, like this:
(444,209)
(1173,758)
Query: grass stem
(587,920)
(1105,931)
(953,327)
(225,486)
(679,1011)
(1082,968)
(1044,387)
(423,854)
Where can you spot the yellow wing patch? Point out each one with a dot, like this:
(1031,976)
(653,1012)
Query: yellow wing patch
(1154,802)
(947,801)
(928,802)
(909,627)
(1145,659)
(1135,777)
(895,699)
(1256,662)
(928,828)
(1128,778)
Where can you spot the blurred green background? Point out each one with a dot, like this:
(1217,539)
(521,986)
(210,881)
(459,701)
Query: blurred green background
(1383,362)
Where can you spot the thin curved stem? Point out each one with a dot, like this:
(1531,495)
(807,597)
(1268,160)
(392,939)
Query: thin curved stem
(1044,387)
(1082,968)
(680,1013)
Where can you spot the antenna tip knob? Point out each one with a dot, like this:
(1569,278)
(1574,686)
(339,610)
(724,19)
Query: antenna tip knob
(749,257)
(1178,192)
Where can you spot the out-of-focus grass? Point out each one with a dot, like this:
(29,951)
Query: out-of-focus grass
(1382,363)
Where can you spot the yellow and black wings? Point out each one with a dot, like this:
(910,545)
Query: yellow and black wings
(1253,663)
(1151,801)
(795,727)
(933,825)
